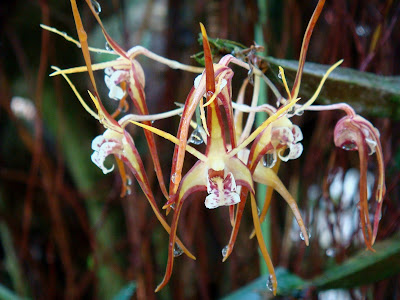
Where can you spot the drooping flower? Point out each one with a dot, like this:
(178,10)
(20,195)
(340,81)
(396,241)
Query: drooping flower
(124,76)
(115,140)
(354,133)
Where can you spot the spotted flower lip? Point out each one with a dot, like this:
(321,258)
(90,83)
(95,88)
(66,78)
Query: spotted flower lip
(287,137)
(222,192)
(112,80)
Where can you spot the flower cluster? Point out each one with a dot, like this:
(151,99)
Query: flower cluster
(235,157)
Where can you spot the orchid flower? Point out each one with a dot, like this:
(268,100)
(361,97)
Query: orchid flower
(354,133)
(124,76)
(219,171)
(115,140)
(232,161)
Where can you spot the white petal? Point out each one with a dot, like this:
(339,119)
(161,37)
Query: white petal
(297,134)
(108,82)
(211,201)
(99,161)
(371,145)
(229,182)
(295,151)
(105,148)
(116,93)
(197,81)
(223,84)
(118,76)
(97,142)
(108,71)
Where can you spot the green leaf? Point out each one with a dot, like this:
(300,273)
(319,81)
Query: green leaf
(288,285)
(364,268)
(126,292)
(368,93)
(7,294)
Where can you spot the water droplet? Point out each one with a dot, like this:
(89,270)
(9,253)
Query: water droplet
(302,235)
(108,47)
(258,211)
(128,180)
(128,191)
(280,75)
(363,30)
(349,146)
(195,138)
(172,206)
(330,252)
(269,160)
(177,251)
(96,6)
(270,283)
(173,177)
(224,251)
(300,112)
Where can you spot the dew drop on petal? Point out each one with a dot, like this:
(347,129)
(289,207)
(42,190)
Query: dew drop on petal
(269,160)
(195,138)
(173,177)
(270,283)
(302,235)
(349,146)
(177,251)
(258,211)
(173,206)
(280,75)
(128,180)
(96,6)
(300,112)
(224,251)
(128,191)
(108,47)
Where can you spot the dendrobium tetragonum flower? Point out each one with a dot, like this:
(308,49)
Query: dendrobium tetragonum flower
(228,169)
(354,133)
(115,140)
(219,171)
(124,76)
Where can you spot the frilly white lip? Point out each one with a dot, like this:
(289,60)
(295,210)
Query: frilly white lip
(112,80)
(222,192)
(289,136)
(103,146)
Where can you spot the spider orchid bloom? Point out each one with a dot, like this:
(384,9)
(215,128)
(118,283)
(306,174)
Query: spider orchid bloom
(115,140)
(219,171)
(281,135)
(124,76)
(354,133)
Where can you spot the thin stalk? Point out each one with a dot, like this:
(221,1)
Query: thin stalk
(260,118)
